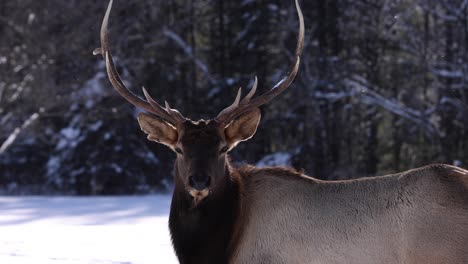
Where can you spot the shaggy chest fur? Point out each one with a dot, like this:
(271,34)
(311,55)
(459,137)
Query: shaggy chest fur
(202,234)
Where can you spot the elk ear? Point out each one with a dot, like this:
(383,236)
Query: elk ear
(158,130)
(242,128)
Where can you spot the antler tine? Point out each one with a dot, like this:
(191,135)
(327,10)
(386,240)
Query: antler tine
(251,93)
(233,106)
(171,115)
(226,117)
(174,112)
(238,102)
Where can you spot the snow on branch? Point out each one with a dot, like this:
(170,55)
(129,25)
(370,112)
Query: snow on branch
(11,139)
(447,73)
(2,90)
(241,35)
(360,88)
(189,51)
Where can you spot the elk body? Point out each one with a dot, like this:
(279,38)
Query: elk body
(226,214)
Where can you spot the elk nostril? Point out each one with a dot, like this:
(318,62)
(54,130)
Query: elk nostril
(191,181)
(199,183)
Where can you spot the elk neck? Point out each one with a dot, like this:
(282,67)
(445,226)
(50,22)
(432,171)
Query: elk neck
(204,234)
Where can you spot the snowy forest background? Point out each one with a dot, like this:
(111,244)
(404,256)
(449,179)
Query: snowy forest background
(382,87)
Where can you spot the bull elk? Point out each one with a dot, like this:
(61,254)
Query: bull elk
(221,213)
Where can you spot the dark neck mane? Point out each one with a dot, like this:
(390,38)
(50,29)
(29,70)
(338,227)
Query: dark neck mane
(205,233)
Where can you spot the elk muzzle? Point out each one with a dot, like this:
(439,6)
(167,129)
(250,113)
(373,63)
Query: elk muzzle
(199,183)
(199,188)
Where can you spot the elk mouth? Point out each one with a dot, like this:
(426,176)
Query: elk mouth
(198,195)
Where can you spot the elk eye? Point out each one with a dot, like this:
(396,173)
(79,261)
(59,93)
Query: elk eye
(224,149)
(178,150)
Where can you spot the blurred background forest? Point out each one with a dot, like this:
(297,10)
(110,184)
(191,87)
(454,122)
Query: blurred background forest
(383,87)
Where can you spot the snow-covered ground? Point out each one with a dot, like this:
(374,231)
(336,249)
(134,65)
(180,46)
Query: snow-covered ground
(82,230)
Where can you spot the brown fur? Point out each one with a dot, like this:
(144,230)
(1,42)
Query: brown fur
(418,216)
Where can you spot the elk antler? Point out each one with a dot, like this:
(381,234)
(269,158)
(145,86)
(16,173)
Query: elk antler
(240,107)
(171,115)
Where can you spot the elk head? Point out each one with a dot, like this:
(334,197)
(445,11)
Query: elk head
(202,165)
